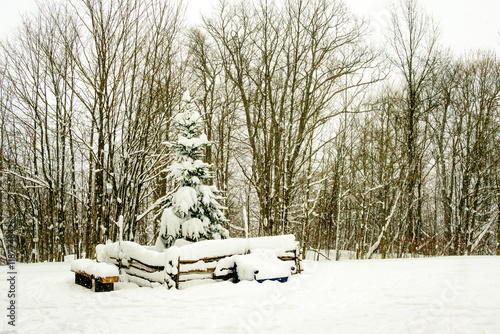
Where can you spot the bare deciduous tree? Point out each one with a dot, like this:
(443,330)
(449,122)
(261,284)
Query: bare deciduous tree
(289,63)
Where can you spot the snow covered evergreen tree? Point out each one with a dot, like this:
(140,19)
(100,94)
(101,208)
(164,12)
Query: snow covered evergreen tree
(193,212)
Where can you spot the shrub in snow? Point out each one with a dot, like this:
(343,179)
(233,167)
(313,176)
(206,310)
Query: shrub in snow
(193,212)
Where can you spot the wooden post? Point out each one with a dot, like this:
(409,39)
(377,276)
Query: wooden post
(178,273)
(297,261)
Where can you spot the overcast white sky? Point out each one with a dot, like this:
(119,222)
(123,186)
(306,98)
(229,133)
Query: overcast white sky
(465,24)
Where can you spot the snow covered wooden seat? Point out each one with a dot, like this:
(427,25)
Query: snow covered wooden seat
(94,275)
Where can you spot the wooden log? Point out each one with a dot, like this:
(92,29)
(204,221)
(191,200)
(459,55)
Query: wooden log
(139,280)
(200,265)
(141,266)
(136,263)
(152,267)
(192,277)
(227,277)
(198,271)
(206,259)
(157,276)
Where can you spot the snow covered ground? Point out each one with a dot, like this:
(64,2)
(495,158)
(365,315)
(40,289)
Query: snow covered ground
(432,295)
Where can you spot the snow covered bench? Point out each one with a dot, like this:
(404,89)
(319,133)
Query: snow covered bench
(94,275)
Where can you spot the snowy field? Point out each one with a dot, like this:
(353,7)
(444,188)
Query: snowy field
(433,295)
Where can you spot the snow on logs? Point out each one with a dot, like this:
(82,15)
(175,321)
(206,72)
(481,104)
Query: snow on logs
(192,263)
(141,265)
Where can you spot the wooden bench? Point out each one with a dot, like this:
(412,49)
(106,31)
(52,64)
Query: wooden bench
(98,277)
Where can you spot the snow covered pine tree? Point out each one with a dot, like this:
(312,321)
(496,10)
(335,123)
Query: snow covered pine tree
(193,212)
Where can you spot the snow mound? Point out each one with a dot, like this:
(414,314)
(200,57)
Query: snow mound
(94,268)
(128,250)
(261,264)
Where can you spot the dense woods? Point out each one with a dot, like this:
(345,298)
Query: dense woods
(314,130)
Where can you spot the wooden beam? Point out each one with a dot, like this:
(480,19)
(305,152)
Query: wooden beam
(109,279)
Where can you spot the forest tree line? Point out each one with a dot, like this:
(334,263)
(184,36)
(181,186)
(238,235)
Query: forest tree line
(315,131)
